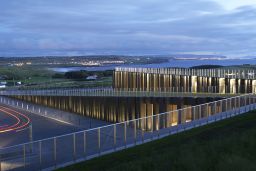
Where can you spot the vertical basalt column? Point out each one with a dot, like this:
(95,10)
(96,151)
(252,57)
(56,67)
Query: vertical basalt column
(170,82)
(137,107)
(142,113)
(133,108)
(209,84)
(147,82)
(156,111)
(193,102)
(177,83)
(162,109)
(200,84)
(194,84)
(249,86)
(149,114)
(246,86)
(232,83)
(169,110)
(253,86)
(129,107)
(162,85)
(167,82)
(188,110)
(182,83)
(181,114)
(239,86)
(139,82)
(175,114)
(156,80)
(222,85)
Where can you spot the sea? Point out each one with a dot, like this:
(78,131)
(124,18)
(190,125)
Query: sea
(170,63)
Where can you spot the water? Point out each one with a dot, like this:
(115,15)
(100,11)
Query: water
(171,63)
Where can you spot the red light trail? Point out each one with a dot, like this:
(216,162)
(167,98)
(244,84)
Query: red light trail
(20,120)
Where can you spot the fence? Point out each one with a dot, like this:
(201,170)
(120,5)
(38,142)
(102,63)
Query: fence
(63,150)
(172,92)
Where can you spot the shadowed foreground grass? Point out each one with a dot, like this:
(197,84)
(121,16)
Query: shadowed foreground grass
(225,145)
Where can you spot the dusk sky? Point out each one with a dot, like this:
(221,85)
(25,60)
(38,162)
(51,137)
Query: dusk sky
(127,27)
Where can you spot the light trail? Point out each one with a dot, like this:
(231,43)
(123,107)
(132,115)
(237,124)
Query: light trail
(21,120)
(12,126)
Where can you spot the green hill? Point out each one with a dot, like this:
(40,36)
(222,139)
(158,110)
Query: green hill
(225,145)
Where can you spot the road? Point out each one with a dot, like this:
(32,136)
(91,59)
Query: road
(14,126)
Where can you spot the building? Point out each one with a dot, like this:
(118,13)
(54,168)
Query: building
(185,80)
(92,77)
(2,86)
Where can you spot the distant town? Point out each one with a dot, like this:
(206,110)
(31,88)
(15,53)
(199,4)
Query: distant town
(100,60)
(80,60)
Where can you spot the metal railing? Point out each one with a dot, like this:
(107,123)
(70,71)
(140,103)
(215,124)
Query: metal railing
(67,149)
(219,73)
(129,92)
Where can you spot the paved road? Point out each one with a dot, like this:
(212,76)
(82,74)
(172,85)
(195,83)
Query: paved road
(41,127)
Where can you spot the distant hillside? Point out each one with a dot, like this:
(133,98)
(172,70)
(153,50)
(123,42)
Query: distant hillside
(192,56)
(206,67)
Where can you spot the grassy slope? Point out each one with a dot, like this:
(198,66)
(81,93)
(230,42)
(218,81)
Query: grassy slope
(226,145)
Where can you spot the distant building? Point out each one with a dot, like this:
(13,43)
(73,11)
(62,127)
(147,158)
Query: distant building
(92,77)
(2,86)
(3,83)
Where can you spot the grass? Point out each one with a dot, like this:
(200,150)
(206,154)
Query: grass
(225,145)
(40,77)
(70,83)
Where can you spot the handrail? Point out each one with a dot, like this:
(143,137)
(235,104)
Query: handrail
(112,92)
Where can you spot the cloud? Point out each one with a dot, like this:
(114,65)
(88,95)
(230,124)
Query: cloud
(233,4)
(62,27)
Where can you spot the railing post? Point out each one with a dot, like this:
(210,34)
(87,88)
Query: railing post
(226,108)
(245,102)
(0,159)
(24,155)
(239,103)
(74,146)
(200,111)
(125,132)
(152,126)
(249,102)
(85,155)
(158,128)
(142,130)
(207,112)
(253,101)
(40,154)
(55,151)
(114,132)
(135,132)
(99,148)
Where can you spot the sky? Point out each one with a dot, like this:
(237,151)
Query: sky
(127,27)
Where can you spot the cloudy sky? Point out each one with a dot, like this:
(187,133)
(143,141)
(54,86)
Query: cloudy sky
(128,27)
